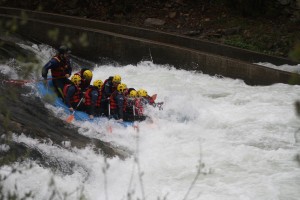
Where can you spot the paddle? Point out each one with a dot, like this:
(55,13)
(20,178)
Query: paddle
(135,125)
(21,82)
(160,105)
(71,117)
(109,128)
(154,97)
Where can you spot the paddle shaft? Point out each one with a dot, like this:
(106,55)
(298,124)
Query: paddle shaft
(108,107)
(79,103)
(71,117)
(31,81)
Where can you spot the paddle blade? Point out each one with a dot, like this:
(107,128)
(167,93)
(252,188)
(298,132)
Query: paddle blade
(70,118)
(109,129)
(154,97)
(136,128)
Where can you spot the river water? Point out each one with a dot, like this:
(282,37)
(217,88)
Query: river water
(215,139)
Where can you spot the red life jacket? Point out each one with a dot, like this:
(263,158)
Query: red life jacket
(61,70)
(88,99)
(113,103)
(76,97)
(112,88)
(112,100)
(139,109)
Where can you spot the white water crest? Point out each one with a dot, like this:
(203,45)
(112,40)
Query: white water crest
(238,141)
(287,68)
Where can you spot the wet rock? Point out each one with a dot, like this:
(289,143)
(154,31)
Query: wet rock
(232,31)
(172,14)
(193,33)
(284,2)
(154,21)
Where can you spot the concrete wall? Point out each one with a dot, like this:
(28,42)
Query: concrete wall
(130,45)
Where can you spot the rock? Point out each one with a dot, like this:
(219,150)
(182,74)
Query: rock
(168,5)
(284,2)
(232,31)
(192,33)
(172,14)
(154,21)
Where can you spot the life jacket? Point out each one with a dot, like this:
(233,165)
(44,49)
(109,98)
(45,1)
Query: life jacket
(76,97)
(61,70)
(139,109)
(113,102)
(112,89)
(88,99)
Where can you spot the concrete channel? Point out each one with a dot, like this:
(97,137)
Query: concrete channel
(129,45)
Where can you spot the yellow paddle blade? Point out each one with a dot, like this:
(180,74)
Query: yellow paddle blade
(70,119)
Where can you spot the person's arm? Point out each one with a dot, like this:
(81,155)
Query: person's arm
(106,92)
(144,101)
(120,102)
(47,66)
(94,97)
(52,64)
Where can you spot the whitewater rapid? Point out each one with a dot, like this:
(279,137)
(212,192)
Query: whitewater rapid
(239,141)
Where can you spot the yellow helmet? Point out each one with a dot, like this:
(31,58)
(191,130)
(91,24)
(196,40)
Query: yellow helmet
(116,79)
(87,74)
(121,87)
(132,93)
(76,79)
(98,84)
(142,93)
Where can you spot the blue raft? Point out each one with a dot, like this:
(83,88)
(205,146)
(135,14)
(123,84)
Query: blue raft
(78,115)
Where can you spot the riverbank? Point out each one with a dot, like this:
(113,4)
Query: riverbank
(274,32)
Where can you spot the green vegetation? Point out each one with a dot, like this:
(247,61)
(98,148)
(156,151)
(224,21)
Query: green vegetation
(264,26)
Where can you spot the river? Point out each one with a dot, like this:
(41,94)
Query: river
(215,139)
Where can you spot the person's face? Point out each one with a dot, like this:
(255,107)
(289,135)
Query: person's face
(115,84)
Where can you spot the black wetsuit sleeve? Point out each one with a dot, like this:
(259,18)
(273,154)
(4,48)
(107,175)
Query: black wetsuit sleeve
(52,64)
(46,68)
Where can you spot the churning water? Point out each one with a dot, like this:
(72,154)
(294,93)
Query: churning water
(215,139)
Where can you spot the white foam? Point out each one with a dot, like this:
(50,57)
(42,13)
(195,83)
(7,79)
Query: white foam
(243,135)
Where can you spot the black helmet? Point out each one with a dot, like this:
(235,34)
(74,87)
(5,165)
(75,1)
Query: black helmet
(63,49)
